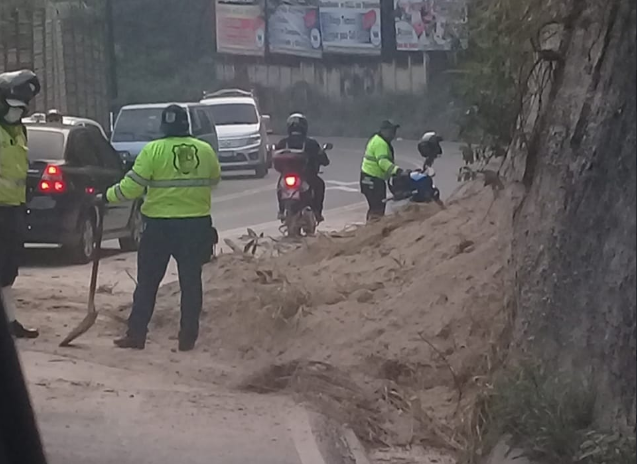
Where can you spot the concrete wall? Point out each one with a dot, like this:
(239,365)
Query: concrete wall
(334,80)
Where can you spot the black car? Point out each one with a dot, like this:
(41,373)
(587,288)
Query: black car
(68,166)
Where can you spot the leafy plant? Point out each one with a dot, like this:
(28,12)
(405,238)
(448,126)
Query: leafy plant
(497,68)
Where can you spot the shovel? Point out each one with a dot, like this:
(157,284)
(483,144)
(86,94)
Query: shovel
(91,312)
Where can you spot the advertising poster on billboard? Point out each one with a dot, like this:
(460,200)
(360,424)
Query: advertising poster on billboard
(240,28)
(430,25)
(293,27)
(351,27)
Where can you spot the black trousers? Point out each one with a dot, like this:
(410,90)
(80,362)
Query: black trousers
(317,186)
(11,243)
(189,241)
(375,191)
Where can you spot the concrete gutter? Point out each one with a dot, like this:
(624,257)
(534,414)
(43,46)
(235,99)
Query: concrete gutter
(320,440)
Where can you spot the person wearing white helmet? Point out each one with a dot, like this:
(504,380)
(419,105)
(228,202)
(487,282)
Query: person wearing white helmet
(17,89)
(429,148)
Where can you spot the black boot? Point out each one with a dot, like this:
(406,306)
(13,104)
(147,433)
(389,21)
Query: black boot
(20,331)
(130,343)
(187,344)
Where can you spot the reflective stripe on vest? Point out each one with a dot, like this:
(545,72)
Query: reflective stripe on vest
(171,183)
(168,183)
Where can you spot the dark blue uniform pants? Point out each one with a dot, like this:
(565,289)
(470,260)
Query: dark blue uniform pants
(189,241)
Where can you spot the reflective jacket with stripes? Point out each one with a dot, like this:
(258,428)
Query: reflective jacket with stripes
(13,165)
(379,159)
(176,173)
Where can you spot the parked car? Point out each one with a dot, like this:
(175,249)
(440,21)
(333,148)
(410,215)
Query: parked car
(40,118)
(243,131)
(136,125)
(68,166)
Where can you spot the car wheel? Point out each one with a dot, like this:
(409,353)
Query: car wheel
(83,251)
(135,229)
(262,170)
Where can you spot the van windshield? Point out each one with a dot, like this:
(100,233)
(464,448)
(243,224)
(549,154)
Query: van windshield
(234,113)
(138,125)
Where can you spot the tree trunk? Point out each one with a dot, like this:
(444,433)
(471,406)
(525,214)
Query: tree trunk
(574,225)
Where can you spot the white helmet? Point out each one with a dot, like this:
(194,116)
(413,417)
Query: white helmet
(429,137)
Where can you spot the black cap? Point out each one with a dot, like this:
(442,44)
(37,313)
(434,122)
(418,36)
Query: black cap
(174,121)
(388,124)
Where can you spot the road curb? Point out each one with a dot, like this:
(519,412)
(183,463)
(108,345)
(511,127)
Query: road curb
(321,440)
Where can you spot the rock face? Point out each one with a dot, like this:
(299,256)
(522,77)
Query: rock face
(574,222)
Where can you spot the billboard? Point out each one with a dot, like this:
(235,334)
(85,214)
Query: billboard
(293,27)
(240,28)
(351,27)
(430,25)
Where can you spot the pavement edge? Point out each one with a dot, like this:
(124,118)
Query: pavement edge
(321,440)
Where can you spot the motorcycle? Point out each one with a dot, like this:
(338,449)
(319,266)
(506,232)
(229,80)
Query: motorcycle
(417,186)
(295,193)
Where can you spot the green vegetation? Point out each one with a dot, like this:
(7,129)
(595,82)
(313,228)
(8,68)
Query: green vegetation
(497,68)
(549,417)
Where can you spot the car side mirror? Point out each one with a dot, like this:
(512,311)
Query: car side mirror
(265,118)
(328,146)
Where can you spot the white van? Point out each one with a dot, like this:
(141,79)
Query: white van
(243,131)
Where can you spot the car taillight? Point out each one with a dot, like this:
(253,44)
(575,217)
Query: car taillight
(52,180)
(292,181)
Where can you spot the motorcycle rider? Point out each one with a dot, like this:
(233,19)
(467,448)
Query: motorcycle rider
(377,168)
(297,139)
(17,89)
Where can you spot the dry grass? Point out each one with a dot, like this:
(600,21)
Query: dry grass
(548,416)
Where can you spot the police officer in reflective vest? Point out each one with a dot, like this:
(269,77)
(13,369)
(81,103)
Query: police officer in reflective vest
(177,172)
(17,89)
(378,167)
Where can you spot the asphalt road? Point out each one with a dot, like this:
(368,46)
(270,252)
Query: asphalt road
(242,200)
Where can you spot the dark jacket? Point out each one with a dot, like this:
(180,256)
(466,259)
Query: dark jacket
(316,155)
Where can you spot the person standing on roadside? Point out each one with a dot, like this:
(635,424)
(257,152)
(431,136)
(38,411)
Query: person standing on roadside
(17,89)
(377,168)
(177,173)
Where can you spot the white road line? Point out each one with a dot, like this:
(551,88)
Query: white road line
(338,182)
(274,225)
(245,193)
(344,189)
(271,188)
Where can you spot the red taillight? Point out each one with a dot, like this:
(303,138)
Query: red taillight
(291,181)
(90,190)
(52,180)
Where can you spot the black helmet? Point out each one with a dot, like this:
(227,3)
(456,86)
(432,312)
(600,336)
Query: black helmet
(17,89)
(297,124)
(174,121)
(19,86)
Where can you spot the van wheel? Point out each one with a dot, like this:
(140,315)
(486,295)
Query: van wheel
(83,251)
(135,229)
(262,170)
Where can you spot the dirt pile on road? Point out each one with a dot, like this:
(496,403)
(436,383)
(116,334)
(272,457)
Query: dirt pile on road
(388,326)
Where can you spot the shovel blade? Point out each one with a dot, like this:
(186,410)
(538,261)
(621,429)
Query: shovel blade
(81,329)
